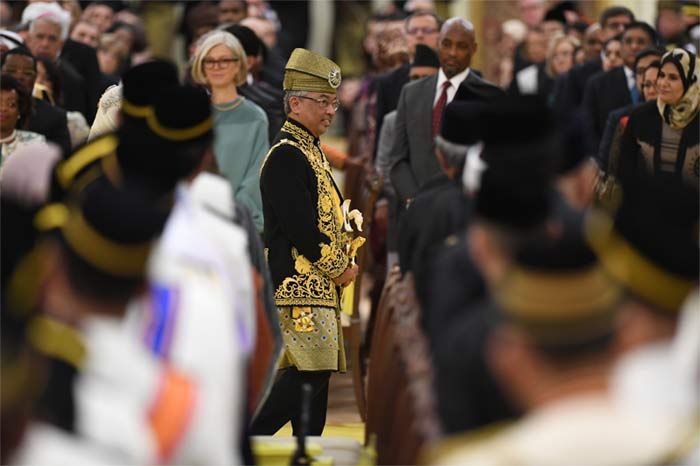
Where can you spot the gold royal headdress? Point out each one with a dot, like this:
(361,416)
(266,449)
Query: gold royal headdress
(309,71)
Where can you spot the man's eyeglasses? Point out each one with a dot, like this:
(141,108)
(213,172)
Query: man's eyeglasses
(222,63)
(425,31)
(322,102)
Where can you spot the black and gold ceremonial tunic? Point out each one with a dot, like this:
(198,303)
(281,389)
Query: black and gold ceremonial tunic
(306,248)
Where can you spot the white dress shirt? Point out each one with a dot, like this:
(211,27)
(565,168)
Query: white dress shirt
(456,80)
(631,78)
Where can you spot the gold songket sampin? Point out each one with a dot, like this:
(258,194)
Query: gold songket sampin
(302,318)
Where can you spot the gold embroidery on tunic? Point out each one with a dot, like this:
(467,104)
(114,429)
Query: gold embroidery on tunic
(309,289)
(302,318)
(312,285)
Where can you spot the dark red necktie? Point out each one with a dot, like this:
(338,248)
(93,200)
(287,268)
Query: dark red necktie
(439,108)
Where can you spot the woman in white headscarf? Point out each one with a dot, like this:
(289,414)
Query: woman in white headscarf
(662,136)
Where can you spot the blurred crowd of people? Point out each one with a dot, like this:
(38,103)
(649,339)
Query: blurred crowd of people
(546,212)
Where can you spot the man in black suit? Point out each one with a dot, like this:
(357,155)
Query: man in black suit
(420,28)
(644,58)
(420,107)
(568,89)
(616,88)
(46,119)
(48,30)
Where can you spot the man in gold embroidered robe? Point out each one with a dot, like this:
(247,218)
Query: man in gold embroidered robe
(308,249)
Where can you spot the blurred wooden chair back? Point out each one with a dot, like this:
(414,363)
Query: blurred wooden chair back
(401,408)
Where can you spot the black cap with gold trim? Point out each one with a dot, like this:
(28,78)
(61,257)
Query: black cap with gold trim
(557,292)
(309,71)
(22,274)
(155,149)
(109,230)
(87,163)
(651,244)
(142,83)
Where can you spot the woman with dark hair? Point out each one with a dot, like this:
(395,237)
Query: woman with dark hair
(46,119)
(48,87)
(662,136)
(48,81)
(15,108)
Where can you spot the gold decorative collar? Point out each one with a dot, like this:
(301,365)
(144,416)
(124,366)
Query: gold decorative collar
(298,130)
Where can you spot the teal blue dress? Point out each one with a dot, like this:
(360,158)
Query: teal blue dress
(240,146)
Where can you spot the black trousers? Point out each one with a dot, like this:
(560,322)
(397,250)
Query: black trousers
(284,403)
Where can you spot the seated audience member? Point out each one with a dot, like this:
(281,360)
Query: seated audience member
(9,40)
(592,43)
(47,120)
(569,90)
(661,137)
(15,110)
(101,14)
(649,78)
(86,33)
(48,31)
(273,60)
(611,53)
(200,19)
(48,87)
(617,87)
(232,11)
(241,126)
(112,55)
(610,143)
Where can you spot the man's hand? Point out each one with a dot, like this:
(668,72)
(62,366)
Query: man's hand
(346,277)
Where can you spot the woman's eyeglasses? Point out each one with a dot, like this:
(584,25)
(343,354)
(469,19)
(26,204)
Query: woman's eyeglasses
(221,63)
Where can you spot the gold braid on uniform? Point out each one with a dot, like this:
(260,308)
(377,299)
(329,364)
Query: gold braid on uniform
(308,287)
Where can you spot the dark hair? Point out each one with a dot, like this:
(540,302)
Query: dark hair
(579,26)
(617,38)
(644,27)
(18,51)
(252,44)
(8,83)
(244,3)
(189,155)
(419,13)
(398,15)
(647,52)
(615,11)
(93,284)
(54,76)
(566,354)
(655,64)
(139,43)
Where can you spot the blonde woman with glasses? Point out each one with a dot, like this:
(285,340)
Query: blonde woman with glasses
(240,126)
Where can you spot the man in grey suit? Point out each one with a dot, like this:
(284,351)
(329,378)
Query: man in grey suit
(420,108)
